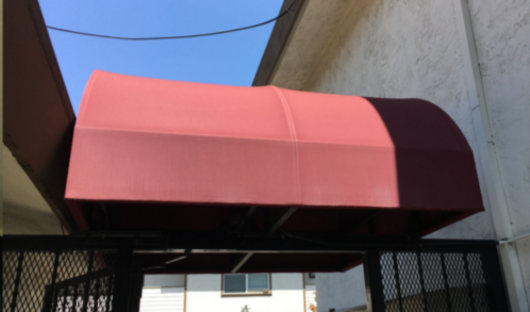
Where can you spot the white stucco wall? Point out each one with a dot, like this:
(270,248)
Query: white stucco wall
(403,49)
(502,35)
(204,294)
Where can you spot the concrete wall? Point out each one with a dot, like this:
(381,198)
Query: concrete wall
(204,294)
(403,49)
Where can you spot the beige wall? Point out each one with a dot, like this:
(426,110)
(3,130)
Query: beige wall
(24,209)
(1,110)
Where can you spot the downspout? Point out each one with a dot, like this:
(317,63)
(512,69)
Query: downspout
(495,198)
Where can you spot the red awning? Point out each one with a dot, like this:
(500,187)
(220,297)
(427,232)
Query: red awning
(171,155)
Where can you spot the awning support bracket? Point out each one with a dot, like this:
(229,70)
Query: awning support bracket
(276,225)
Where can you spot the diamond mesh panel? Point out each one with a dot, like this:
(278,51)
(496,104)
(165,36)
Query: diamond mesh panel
(57,281)
(433,281)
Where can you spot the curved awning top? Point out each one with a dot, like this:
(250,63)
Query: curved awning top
(151,140)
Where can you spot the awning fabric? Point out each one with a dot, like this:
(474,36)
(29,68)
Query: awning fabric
(153,148)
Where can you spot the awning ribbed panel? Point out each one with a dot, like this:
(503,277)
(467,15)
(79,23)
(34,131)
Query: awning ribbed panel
(159,141)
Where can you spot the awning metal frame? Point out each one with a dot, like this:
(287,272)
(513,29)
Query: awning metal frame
(275,226)
(215,242)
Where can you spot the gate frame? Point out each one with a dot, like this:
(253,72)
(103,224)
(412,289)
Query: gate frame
(127,285)
(495,284)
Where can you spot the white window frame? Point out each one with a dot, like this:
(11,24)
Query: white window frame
(267,292)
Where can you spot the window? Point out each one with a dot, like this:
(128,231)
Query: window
(248,284)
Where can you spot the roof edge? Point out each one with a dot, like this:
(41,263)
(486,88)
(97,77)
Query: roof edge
(40,27)
(277,42)
(41,150)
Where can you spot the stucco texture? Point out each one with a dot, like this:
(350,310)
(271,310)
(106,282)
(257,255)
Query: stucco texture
(320,19)
(502,36)
(403,49)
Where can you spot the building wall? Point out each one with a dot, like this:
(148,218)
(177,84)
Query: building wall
(164,280)
(204,294)
(341,291)
(502,35)
(25,212)
(310,292)
(163,292)
(402,49)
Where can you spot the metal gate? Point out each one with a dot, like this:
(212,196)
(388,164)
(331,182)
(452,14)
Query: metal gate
(99,273)
(435,281)
(70,281)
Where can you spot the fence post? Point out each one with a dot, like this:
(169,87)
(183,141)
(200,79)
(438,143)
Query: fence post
(373,279)
(137,283)
(122,280)
(491,265)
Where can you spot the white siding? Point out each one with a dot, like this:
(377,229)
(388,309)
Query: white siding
(164,280)
(204,294)
(161,299)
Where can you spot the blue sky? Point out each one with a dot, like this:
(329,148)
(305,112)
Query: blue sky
(230,59)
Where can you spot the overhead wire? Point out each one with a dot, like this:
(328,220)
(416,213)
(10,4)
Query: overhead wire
(175,37)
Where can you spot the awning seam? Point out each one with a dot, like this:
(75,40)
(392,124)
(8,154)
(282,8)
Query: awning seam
(294,138)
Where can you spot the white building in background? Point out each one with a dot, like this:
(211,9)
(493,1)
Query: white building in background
(258,292)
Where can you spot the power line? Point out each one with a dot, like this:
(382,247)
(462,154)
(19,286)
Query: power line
(176,37)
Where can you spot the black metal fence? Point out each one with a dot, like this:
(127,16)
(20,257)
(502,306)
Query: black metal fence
(66,281)
(99,273)
(436,281)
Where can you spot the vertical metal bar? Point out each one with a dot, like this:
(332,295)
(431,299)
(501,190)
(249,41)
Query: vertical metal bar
(469,284)
(137,283)
(422,281)
(110,282)
(446,283)
(122,280)
(86,295)
(495,285)
(17,281)
(66,289)
(96,294)
(373,278)
(398,284)
(54,279)
(46,306)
